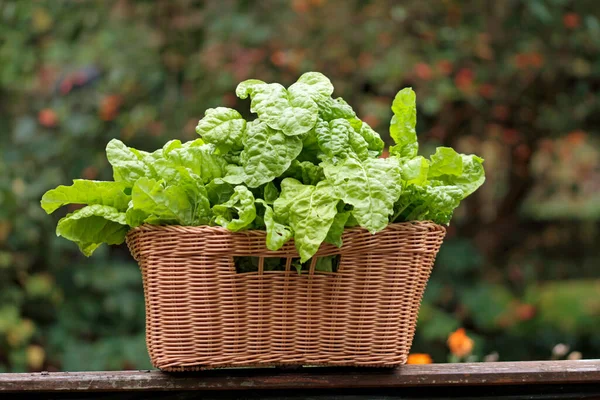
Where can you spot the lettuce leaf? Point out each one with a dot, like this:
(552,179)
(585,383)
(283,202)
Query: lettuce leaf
(267,153)
(238,212)
(309,210)
(113,194)
(277,233)
(93,225)
(223,127)
(372,186)
(403,124)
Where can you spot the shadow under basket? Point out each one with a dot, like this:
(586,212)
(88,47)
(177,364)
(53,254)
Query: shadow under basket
(202,314)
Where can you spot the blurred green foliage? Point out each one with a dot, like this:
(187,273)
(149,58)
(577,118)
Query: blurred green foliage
(514,81)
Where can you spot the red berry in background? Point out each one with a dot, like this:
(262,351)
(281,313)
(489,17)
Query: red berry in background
(109,107)
(487,90)
(48,118)
(536,59)
(444,67)
(511,136)
(571,20)
(423,71)
(525,312)
(464,78)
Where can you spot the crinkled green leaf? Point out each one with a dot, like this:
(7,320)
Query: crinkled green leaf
(292,111)
(223,127)
(470,179)
(128,165)
(87,192)
(330,109)
(162,205)
(305,172)
(420,203)
(135,217)
(309,210)
(238,212)
(200,160)
(414,171)
(372,186)
(402,126)
(334,235)
(445,161)
(358,144)
(372,138)
(246,88)
(277,233)
(317,84)
(270,193)
(267,153)
(333,137)
(219,191)
(93,225)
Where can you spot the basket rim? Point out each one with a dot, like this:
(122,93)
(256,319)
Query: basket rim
(408,225)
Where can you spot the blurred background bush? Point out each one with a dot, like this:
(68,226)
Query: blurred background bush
(513,81)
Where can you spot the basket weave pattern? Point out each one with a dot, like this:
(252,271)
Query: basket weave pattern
(201,313)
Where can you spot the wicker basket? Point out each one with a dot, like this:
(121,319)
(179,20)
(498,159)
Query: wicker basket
(201,313)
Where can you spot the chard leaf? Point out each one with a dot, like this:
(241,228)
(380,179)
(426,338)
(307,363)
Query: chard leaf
(219,191)
(305,172)
(333,137)
(359,145)
(470,179)
(445,161)
(223,127)
(93,225)
(200,160)
(414,171)
(128,165)
(372,186)
(234,174)
(247,87)
(270,193)
(238,212)
(334,235)
(420,203)
(293,112)
(402,126)
(87,192)
(267,153)
(372,138)
(330,109)
(314,83)
(277,233)
(310,211)
(162,205)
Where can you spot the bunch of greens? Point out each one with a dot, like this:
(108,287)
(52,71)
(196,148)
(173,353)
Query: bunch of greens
(305,168)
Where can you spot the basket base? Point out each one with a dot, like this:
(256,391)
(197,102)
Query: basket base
(278,367)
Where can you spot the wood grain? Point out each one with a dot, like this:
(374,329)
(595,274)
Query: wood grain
(432,375)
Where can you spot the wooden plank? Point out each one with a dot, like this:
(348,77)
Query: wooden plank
(500,373)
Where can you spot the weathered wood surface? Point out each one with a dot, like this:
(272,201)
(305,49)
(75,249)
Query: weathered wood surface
(583,373)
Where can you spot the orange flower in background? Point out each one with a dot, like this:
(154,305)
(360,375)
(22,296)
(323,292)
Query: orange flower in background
(419,358)
(459,343)
(571,20)
(109,107)
(48,118)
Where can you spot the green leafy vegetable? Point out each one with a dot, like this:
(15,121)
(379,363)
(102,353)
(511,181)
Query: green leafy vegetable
(93,225)
(223,127)
(87,192)
(238,212)
(309,210)
(372,186)
(305,169)
(402,126)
